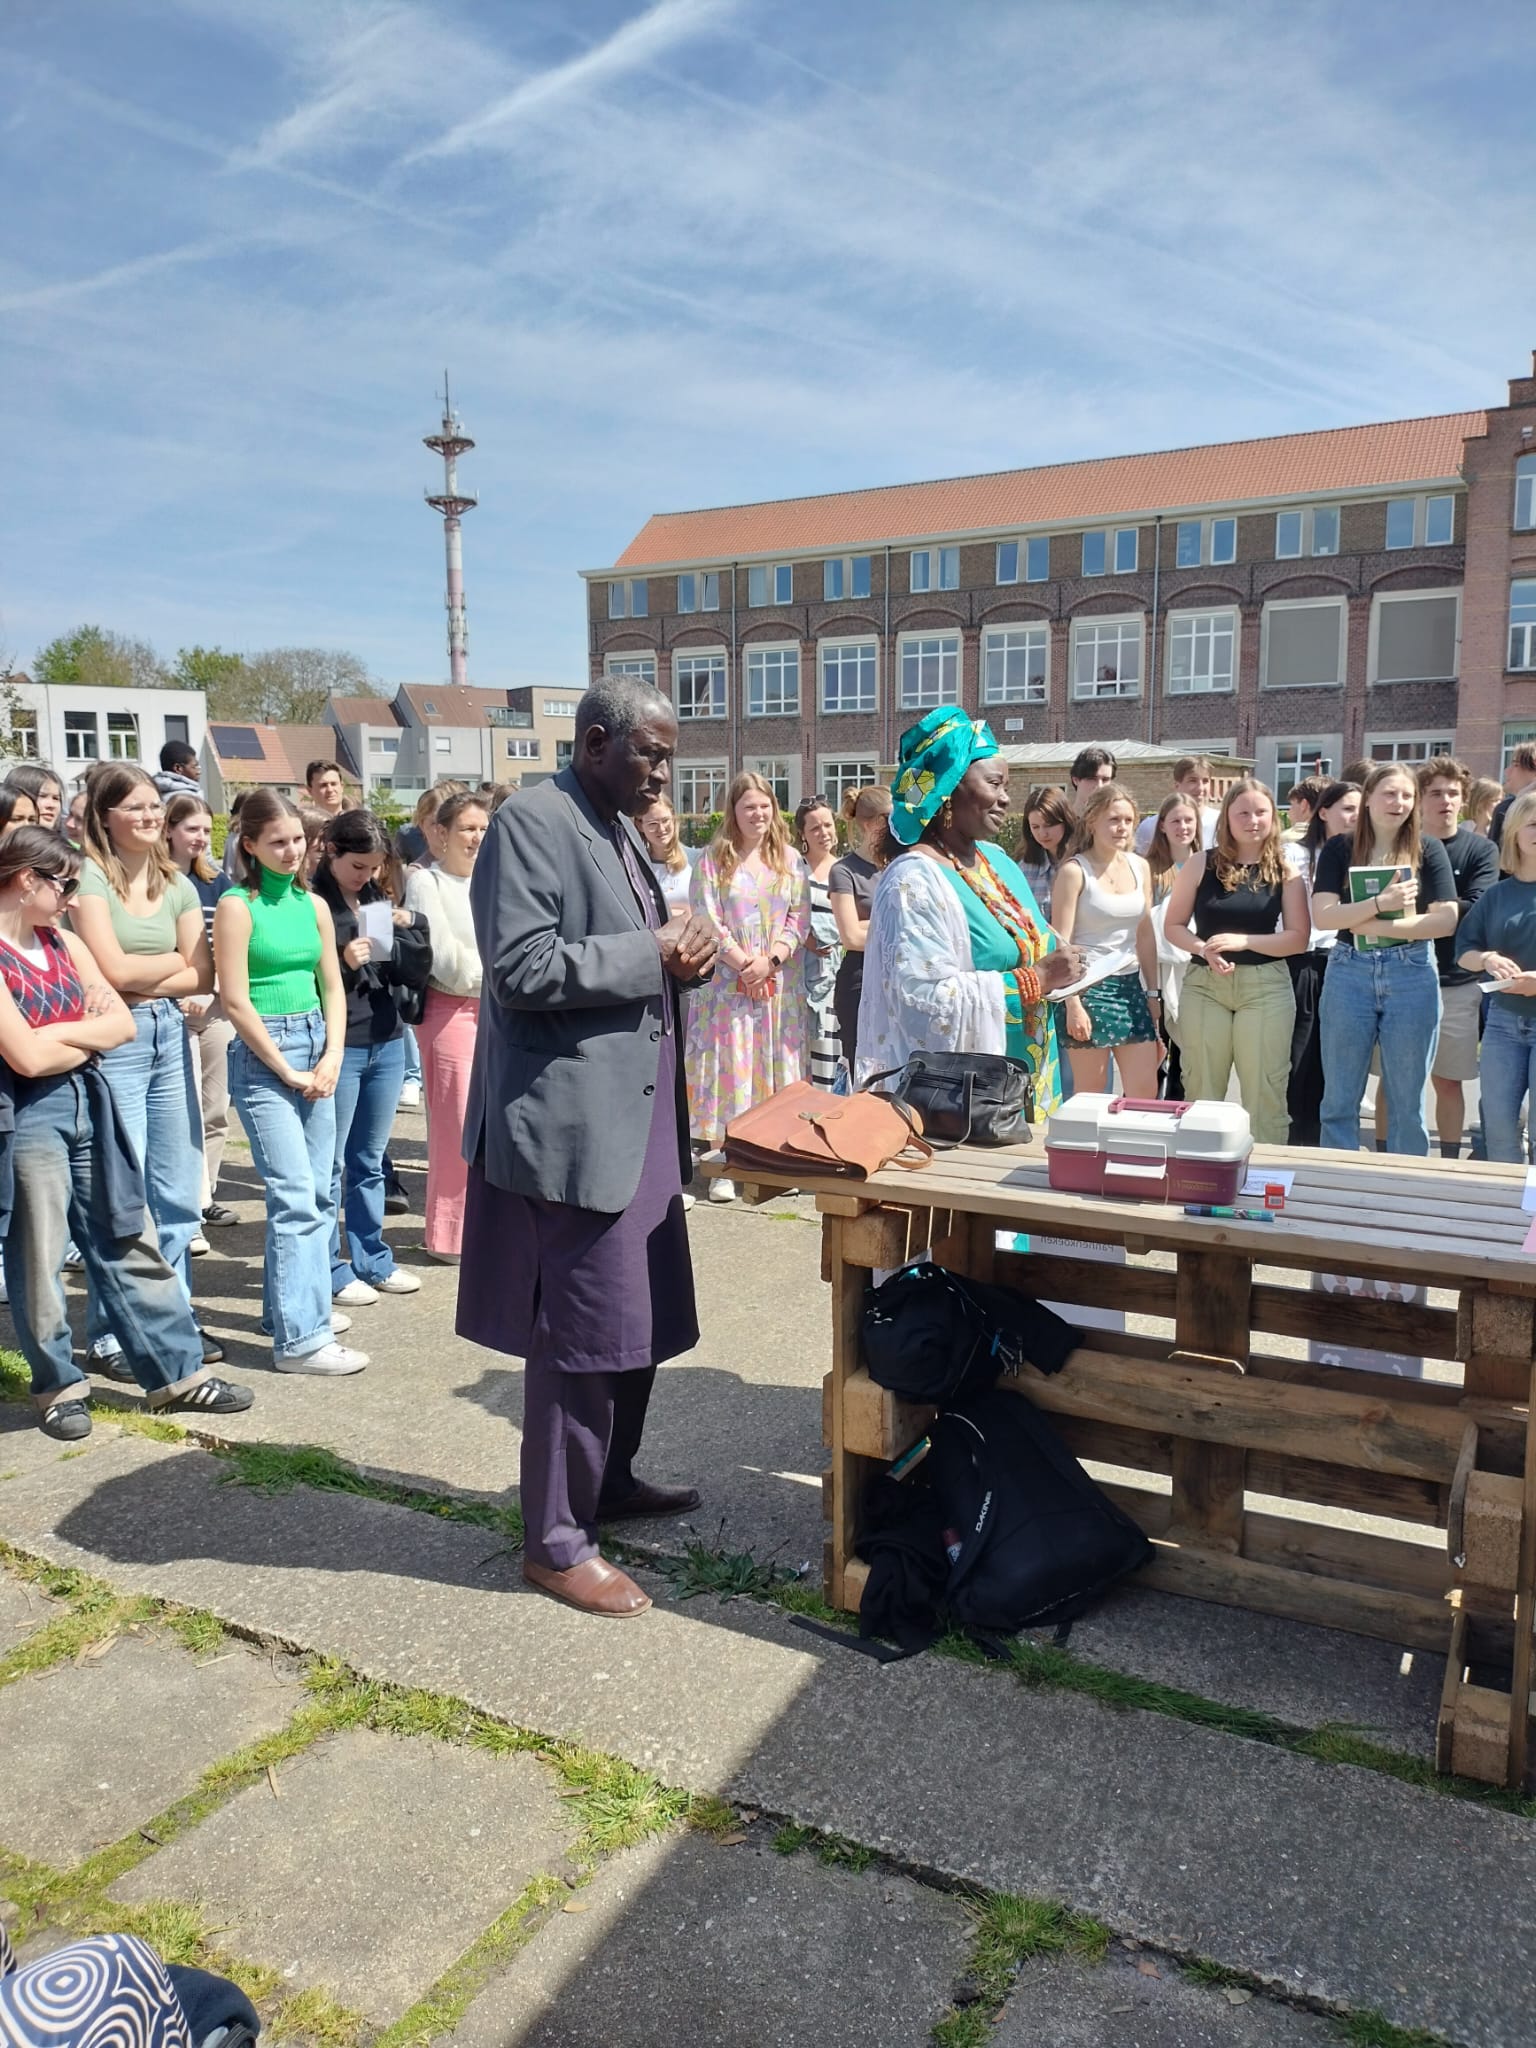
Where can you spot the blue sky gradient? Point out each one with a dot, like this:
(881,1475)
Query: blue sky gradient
(685,254)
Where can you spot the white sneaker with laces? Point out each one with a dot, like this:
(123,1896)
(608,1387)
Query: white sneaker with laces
(722,1190)
(356,1294)
(410,1095)
(398,1282)
(330,1361)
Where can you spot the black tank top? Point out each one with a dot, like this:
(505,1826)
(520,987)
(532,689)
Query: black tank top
(1253,906)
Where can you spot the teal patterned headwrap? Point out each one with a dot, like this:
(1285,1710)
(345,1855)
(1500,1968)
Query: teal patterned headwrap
(935,754)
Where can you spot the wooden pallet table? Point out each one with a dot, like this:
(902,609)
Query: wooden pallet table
(1237,1461)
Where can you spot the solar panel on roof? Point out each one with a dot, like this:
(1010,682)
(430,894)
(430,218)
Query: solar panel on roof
(236,742)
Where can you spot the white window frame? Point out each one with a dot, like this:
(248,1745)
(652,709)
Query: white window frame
(843,571)
(122,736)
(940,574)
(1217,618)
(559,707)
(1514,736)
(1018,548)
(1419,529)
(925,647)
(1306,753)
(523,749)
(629,599)
(1412,749)
(836,774)
(1101,535)
(24,736)
(641,665)
(867,647)
(783,769)
(719,698)
(718,772)
(1307,515)
(382,743)
(1296,604)
(1033,541)
(997,637)
(690,579)
(1522,637)
(1395,597)
(777,583)
(1096,688)
(1133,535)
(1205,531)
(779,649)
(1524,519)
(88,726)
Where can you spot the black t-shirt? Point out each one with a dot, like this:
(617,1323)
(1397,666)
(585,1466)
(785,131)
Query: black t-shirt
(853,876)
(1475,864)
(1254,906)
(1330,877)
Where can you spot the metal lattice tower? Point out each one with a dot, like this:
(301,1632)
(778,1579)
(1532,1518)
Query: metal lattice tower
(451,442)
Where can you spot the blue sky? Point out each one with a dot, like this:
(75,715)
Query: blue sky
(692,253)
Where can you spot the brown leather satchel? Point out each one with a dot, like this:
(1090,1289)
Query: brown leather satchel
(810,1130)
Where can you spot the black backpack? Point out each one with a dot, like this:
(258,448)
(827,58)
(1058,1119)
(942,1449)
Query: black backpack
(930,1335)
(1031,1539)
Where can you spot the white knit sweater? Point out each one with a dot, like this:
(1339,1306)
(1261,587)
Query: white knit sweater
(443,900)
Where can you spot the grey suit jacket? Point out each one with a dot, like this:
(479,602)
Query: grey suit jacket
(571,1006)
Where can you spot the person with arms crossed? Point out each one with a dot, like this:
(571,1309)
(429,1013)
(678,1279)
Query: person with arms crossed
(575,1254)
(1498,938)
(1443,786)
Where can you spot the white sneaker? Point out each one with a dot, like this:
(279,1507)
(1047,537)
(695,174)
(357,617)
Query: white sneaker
(340,1324)
(356,1294)
(688,1201)
(330,1359)
(398,1282)
(199,1245)
(74,1258)
(410,1095)
(722,1191)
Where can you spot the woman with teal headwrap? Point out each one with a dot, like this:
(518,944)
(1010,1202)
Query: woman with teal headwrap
(959,957)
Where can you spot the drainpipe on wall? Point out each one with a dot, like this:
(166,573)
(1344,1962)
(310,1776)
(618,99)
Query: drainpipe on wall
(1157,566)
(889,750)
(733,685)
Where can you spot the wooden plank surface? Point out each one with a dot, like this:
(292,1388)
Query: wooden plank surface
(1525,1619)
(1212,1317)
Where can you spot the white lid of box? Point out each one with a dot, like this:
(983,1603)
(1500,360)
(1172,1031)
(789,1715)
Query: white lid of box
(1185,1130)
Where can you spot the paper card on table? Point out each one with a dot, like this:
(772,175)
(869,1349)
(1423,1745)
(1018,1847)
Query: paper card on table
(1097,970)
(1262,1177)
(376,924)
(1528,1199)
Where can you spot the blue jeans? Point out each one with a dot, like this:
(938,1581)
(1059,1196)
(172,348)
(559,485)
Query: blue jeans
(55,1200)
(1390,995)
(367,1096)
(293,1143)
(1508,1069)
(154,1083)
(412,1056)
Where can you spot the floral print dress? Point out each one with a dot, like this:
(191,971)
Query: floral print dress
(741,1051)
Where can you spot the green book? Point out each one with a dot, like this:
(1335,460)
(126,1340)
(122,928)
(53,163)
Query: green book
(1364,883)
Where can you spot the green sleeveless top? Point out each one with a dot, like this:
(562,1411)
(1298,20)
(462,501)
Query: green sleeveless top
(285,947)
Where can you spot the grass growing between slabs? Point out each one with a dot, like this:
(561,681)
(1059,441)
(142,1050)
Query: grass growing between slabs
(1009,1933)
(274,1468)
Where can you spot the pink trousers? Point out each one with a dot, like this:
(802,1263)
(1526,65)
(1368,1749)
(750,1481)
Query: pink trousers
(446,1035)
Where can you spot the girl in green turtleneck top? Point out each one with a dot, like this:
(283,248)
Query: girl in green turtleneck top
(280,981)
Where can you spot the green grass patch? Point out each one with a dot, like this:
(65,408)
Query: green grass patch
(446,2003)
(1009,1932)
(15,1377)
(139,1422)
(1375,2030)
(278,1468)
(712,1816)
(836,1851)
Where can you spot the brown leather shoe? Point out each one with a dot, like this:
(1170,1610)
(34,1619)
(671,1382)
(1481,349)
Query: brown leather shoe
(650,1500)
(594,1586)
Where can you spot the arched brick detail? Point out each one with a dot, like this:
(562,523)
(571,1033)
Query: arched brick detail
(1108,603)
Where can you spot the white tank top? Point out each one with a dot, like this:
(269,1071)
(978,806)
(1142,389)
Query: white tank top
(1106,920)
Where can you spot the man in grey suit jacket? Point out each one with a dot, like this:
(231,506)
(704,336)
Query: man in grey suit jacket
(575,1251)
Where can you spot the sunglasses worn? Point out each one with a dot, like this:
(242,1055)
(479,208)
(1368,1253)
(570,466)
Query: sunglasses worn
(65,884)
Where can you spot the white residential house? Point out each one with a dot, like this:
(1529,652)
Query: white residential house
(72,726)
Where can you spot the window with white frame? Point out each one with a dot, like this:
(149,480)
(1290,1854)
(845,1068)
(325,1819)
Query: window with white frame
(1307,530)
(628,600)
(1302,643)
(698,590)
(1008,561)
(771,583)
(849,675)
(845,576)
(565,753)
(1117,548)
(1515,736)
(24,743)
(442,743)
(1414,635)
(1125,550)
(773,682)
(1198,541)
(1522,623)
(1295,760)
(383,744)
(80,736)
(1106,657)
(1413,751)
(698,787)
(1024,561)
(1525,493)
(781,777)
(698,684)
(1095,553)
(122,736)
(522,750)
(934,569)
(1202,652)
(930,670)
(1015,664)
(835,777)
(1421,522)
(641,666)
(559,707)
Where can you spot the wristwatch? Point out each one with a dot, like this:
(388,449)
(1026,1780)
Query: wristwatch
(777,962)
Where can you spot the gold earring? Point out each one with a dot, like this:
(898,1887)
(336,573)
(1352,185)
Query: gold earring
(946,814)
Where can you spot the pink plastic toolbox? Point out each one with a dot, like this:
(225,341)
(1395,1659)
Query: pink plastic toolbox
(1151,1151)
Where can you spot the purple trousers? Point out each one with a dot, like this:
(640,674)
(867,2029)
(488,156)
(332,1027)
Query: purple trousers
(581,1431)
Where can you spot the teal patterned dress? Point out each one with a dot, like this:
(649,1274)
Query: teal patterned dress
(996,935)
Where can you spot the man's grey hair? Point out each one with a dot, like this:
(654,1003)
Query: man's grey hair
(618,704)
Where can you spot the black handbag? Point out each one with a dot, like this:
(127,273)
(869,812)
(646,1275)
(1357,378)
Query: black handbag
(931,1335)
(965,1098)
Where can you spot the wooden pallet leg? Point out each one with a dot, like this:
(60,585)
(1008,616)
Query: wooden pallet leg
(1525,1602)
(1495,1339)
(1212,1305)
(849,1473)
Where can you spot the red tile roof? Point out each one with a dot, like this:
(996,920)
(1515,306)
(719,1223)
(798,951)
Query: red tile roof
(1394,452)
(285,751)
(452,703)
(363,711)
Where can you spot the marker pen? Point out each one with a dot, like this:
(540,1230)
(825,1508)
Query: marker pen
(1237,1215)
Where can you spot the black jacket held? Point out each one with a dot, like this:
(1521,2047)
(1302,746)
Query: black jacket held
(373,990)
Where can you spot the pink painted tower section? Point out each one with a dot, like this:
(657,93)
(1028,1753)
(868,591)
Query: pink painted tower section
(451,442)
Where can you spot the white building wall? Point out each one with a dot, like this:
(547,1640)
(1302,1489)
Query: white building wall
(79,724)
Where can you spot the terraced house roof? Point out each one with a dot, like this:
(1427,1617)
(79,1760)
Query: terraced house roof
(1392,453)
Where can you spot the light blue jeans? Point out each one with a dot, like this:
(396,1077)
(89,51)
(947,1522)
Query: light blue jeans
(56,1199)
(293,1144)
(367,1096)
(1508,1070)
(154,1083)
(412,1056)
(1390,996)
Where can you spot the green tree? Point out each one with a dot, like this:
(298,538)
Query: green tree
(91,654)
(279,686)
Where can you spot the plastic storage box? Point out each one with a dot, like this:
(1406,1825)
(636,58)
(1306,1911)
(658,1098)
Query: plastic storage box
(1149,1151)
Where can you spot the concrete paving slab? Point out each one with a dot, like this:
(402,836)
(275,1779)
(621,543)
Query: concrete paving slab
(1130,2001)
(109,1743)
(683,1941)
(376,1868)
(1338,1884)
(23,1611)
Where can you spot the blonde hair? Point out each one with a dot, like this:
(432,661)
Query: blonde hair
(105,788)
(1521,812)
(1160,853)
(1270,864)
(177,811)
(674,860)
(1482,801)
(1407,846)
(1106,794)
(726,848)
